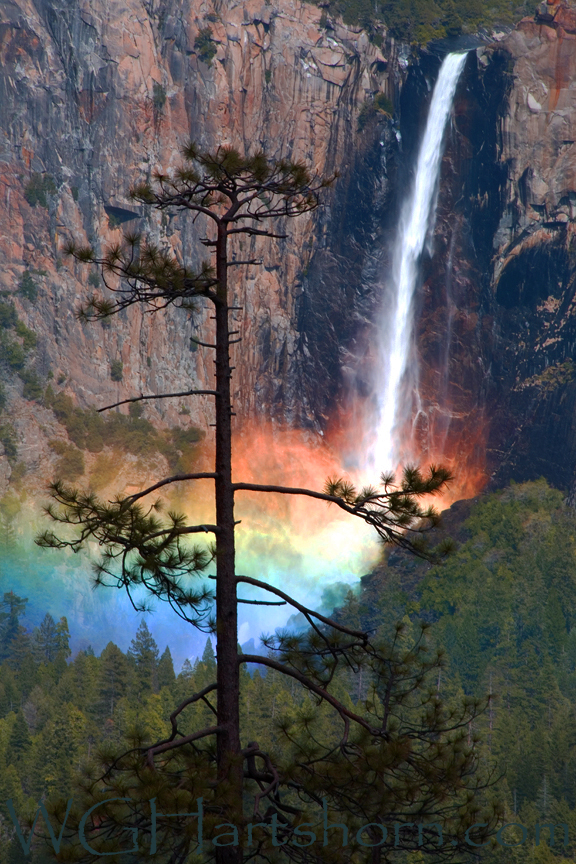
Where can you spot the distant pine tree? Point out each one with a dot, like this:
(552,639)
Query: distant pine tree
(186,671)
(166,674)
(47,639)
(19,742)
(208,656)
(63,637)
(12,607)
(144,652)
(113,680)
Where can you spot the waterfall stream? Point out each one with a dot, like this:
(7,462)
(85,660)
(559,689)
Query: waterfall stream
(397,372)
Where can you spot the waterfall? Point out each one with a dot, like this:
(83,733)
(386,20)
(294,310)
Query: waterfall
(397,374)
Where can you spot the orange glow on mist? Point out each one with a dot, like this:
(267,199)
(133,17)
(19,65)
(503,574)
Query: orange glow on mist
(462,450)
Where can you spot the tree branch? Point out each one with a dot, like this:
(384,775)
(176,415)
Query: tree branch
(314,688)
(190,701)
(263,602)
(165,395)
(207,475)
(359,634)
(171,745)
(261,232)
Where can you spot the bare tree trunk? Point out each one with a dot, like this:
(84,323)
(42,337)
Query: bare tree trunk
(228,676)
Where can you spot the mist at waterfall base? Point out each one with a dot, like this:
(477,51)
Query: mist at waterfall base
(305,547)
(312,551)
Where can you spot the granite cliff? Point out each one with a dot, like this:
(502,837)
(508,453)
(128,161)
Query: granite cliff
(94,95)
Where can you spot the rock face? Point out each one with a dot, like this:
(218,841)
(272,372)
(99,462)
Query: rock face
(94,96)
(508,222)
(495,324)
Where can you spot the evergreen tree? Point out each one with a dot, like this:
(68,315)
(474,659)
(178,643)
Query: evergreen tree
(113,678)
(239,196)
(16,854)
(166,674)
(208,656)
(187,670)
(62,638)
(12,607)
(20,742)
(144,653)
(9,693)
(47,639)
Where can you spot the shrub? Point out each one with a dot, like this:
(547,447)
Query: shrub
(71,462)
(29,338)
(12,354)
(383,103)
(181,447)
(380,104)
(37,188)
(10,506)
(133,434)
(105,470)
(116,370)
(33,389)
(8,316)
(18,472)
(27,287)
(205,46)
(74,190)
(158,96)
(2,397)
(422,20)
(9,442)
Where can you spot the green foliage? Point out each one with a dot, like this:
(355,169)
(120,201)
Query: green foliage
(71,465)
(12,353)
(503,609)
(9,440)
(8,316)
(166,677)
(383,103)
(552,377)
(51,639)
(143,652)
(29,338)
(33,388)
(422,20)
(390,507)
(133,434)
(158,96)
(116,370)
(75,192)
(380,104)
(181,449)
(3,398)
(37,188)
(27,287)
(205,46)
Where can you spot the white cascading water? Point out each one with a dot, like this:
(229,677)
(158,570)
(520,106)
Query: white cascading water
(397,384)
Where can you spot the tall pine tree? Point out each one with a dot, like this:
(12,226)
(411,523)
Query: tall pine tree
(144,653)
